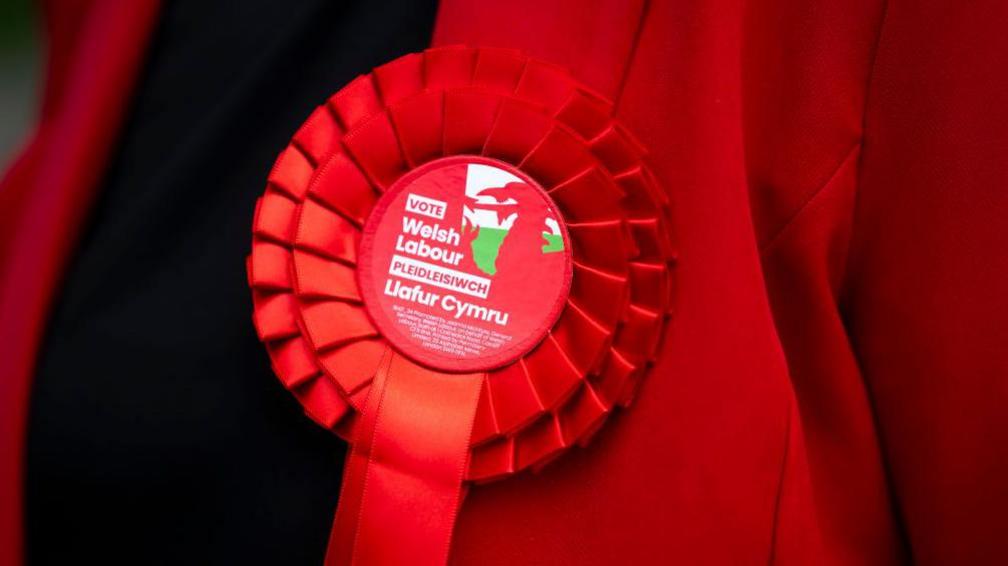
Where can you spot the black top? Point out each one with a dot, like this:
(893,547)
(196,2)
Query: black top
(158,433)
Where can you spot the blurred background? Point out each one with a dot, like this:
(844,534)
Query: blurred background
(20,76)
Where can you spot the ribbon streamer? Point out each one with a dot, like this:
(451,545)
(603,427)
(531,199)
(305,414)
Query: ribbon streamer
(405,473)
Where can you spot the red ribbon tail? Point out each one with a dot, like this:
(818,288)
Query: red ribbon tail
(403,482)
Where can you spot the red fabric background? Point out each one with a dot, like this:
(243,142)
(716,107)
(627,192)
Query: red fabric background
(837,171)
(926,288)
(833,388)
(95,48)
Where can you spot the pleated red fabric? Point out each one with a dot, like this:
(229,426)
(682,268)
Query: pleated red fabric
(461,101)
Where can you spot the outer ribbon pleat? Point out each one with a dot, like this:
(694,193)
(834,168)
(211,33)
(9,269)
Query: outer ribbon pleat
(406,467)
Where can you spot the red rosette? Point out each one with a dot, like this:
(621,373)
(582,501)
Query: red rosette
(498,104)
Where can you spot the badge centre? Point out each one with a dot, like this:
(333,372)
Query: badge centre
(465,264)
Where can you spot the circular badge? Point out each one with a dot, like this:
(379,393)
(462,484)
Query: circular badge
(465,264)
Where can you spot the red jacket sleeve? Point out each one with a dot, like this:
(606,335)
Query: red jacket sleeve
(887,278)
(926,294)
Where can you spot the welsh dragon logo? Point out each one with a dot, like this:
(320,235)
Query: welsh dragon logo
(502,213)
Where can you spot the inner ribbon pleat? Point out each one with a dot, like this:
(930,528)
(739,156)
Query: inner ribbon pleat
(403,482)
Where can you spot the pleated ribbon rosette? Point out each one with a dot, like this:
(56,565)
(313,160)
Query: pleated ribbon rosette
(426,421)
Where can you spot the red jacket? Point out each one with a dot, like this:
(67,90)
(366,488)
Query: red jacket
(834,385)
